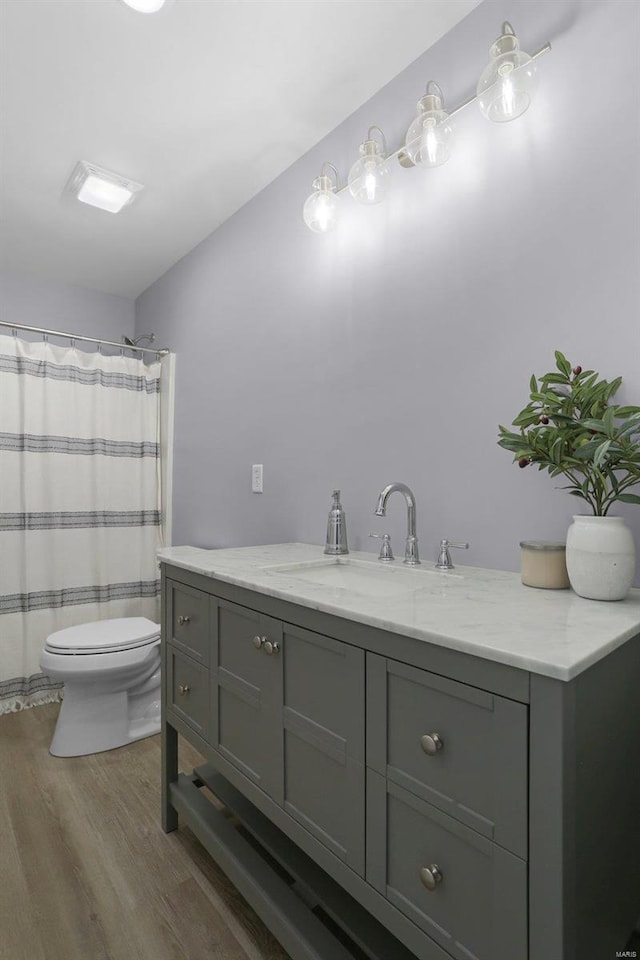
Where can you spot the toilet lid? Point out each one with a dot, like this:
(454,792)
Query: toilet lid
(104,636)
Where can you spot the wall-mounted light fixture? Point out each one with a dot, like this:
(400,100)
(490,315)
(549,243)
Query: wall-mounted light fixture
(505,89)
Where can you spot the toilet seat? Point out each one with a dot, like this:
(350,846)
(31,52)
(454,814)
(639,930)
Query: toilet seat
(103,636)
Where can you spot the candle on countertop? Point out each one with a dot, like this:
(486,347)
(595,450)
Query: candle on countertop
(543,564)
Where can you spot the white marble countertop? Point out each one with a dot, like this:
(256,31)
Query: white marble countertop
(487,613)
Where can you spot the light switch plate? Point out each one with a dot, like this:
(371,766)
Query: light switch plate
(256,478)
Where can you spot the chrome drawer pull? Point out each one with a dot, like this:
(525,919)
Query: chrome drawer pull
(431,876)
(258,642)
(431,743)
(184,621)
(183,688)
(271,647)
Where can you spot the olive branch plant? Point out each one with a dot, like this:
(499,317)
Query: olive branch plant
(570,428)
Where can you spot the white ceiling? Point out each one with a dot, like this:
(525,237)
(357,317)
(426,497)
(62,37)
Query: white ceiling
(178,101)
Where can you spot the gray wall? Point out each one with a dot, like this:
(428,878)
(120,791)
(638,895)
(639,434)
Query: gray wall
(60,306)
(391,349)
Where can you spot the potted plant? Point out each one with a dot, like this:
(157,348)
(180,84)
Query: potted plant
(571,428)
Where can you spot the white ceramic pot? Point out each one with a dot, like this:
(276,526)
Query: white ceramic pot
(601,557)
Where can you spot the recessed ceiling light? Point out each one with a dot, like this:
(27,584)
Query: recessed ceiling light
(101,188)
(146,6)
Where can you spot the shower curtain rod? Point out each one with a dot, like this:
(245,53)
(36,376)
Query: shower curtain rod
(75,336)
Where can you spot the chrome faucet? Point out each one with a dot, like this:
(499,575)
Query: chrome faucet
(411,555)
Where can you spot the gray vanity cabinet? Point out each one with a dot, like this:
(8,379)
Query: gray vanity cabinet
(468,809)
(438,784)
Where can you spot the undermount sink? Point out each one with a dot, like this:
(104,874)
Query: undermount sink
(365,578)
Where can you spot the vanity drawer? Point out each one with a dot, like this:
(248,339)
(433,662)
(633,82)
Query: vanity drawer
(464,891)
(188,691)
(189,620)
(455,746)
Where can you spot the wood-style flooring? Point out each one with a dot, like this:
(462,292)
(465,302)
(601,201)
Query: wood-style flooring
(86,872)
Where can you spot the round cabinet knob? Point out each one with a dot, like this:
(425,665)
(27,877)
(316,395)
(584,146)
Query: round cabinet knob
(271,647)
(183,688)
(431,743)
(184,621)
(258,642)
(431,876)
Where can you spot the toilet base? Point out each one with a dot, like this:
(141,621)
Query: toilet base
(93,722)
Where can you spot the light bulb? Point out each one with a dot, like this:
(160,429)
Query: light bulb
(369,177)
(370,183)
(429,138)
(508,82)
(320,211)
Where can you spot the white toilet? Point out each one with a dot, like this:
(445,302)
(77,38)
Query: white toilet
(111,675)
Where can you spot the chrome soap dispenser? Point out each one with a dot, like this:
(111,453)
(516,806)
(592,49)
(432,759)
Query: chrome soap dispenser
(336,528)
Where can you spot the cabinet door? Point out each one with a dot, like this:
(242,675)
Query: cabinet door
(455,746)
(468,894)
(246,693)
(323,719)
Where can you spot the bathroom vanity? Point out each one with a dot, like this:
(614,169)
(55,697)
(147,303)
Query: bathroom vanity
(443,764)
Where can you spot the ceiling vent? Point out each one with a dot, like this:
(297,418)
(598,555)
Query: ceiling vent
(101,188)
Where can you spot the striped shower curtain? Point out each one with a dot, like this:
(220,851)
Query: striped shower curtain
(79,500)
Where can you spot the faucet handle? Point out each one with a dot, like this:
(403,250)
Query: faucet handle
(386,553)
(444,560)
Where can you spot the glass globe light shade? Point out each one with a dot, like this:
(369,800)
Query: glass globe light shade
(430,136)
(369,177)
(320,211)
(508,82)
